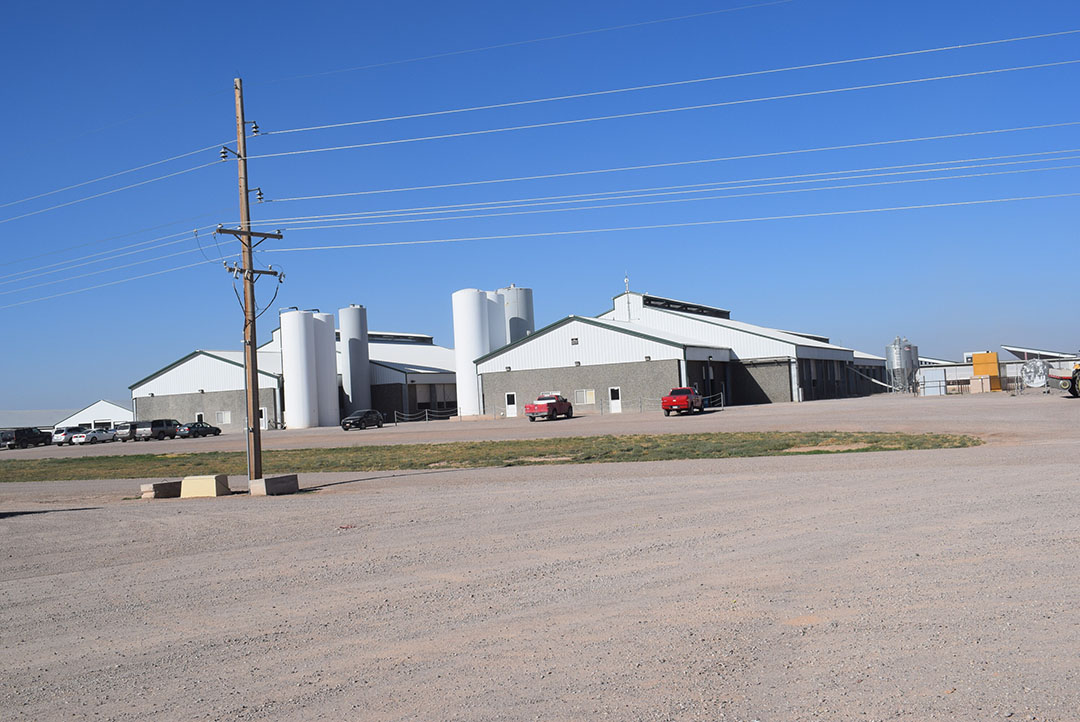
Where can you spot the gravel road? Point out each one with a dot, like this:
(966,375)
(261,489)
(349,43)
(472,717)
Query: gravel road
(1030,413)
(900,585)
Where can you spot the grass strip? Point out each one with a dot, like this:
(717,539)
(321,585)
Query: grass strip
(479,454)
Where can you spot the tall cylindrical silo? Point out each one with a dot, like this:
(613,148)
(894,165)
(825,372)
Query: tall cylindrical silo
(518,312)
(326,370)
(355,361)
(470,342)
(496,320)
(299,369)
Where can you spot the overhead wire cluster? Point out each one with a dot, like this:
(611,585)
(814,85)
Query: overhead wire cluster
(824,180)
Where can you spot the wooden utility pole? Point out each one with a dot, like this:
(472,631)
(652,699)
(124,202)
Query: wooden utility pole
(247,270)
(251,356)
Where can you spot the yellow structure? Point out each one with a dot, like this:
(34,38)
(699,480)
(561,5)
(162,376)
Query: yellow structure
(986,364)
(197,486)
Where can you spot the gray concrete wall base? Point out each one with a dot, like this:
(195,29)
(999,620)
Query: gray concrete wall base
(184,407)
(641,385)
(760,382)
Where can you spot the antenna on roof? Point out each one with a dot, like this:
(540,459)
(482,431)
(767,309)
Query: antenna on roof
(626,280)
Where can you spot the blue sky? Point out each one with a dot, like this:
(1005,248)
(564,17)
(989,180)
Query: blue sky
(99,89)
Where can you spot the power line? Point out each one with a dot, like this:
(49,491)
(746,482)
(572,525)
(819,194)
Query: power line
(110,192)
(103,270)
(67,265)
(54,251)
(680,200)
(111,283)
(111,175)
(686,224)
(516,43)
(526,202)
(659,111)
(672,164)
(712,185)
(671,84)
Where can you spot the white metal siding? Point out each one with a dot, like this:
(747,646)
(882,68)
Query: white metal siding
(99,410)
(595,346)
(743,345)
(383,375)
(200,372)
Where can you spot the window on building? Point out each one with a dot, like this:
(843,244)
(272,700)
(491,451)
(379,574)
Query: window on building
(223,417)
(574,341)
(585,397)
(199,417)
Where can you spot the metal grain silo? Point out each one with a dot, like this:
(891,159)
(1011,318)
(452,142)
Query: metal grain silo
(496,320)
(326,370)
(471,340)
(517,312)
(355,361)
(299,369)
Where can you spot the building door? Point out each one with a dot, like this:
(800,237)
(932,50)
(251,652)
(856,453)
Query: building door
(511,405)
(615,399)
(263,415)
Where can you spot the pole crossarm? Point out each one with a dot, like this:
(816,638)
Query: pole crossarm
(253,234)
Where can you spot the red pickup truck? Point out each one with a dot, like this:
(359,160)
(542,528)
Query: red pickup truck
(549,406)
(684,400)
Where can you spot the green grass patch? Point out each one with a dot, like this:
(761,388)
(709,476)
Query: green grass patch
(479,454)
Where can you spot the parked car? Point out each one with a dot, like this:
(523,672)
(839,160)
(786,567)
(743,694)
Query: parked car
(156,429)
(198,428)
(26,436)
(362,419)
(549,406)
(93,436)
(682,399)
(66,434)
(125,431)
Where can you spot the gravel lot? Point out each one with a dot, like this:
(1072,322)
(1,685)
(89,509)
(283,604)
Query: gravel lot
(911,585)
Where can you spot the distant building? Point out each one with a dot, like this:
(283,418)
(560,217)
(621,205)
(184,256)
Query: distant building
(628,357)
(98,415)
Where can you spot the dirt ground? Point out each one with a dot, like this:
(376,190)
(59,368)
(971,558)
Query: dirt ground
(897,585)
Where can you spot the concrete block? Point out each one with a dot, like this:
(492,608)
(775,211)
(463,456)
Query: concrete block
(210,485)
(160,490)
(275,485)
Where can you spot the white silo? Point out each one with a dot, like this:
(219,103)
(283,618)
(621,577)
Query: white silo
(518,312)
(470,342)
(355,361)
(496,320)
(299,369)
(326,370)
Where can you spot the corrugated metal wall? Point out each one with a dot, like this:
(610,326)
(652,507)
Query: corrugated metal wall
(741,343)
(594,346)
(200,372)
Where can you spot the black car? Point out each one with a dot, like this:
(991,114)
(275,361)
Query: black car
(198,428)
(25,437)
(362,419)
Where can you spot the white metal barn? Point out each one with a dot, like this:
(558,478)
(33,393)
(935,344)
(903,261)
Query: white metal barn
(631,355)
(409,373)
(101,414)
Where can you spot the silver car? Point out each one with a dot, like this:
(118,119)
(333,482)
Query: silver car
(66,434)
(92,436)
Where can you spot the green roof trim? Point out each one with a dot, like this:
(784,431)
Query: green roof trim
(187,358)
(591,322)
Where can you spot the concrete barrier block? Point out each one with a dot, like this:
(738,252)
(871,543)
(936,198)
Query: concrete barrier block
(210,485)
(160,490)
(275,485)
